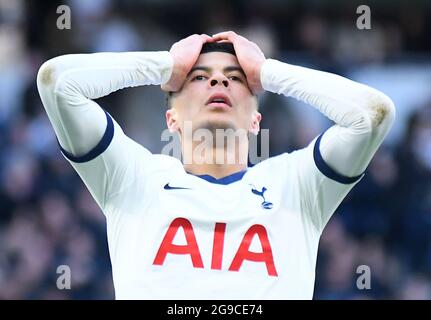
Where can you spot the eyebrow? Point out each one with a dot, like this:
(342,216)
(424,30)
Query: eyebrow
(225,69)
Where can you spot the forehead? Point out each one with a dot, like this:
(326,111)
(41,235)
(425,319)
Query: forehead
(217,60)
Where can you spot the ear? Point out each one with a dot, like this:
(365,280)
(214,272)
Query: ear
(256,117)
(171,120)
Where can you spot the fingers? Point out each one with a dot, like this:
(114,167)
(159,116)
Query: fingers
(206,38)
(227,35)
(200,37)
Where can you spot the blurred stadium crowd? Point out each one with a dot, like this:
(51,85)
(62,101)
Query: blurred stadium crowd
(48,218)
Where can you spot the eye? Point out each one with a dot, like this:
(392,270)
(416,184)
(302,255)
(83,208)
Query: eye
(199,78)
(235,78)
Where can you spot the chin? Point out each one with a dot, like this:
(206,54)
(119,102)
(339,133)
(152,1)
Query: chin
(212,123)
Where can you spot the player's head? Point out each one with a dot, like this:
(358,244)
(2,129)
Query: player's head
(215,94)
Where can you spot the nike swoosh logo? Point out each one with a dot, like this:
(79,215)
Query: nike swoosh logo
(168,187)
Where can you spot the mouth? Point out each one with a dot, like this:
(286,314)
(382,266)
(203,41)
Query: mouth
(219,100)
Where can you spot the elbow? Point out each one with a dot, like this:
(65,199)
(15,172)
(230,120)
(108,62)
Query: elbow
(46,74)
(381,109)
(52,81)
(50,73)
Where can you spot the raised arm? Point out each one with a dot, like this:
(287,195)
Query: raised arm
(329,167)
(363,115)
(89,138)
(68,83)
(105,158)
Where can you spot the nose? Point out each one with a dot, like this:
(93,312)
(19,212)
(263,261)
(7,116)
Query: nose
(219,79)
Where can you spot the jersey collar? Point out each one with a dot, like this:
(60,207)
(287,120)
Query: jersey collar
(225,180)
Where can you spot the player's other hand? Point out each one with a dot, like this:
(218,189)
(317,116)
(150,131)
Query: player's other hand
(185,54)
(249,56)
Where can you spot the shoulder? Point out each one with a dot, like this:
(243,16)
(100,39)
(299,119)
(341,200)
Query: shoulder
(281,160)
(161,162)
(285,163)
(274,165)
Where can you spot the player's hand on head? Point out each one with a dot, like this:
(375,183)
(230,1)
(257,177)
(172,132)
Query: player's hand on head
(249,56)
(184,53)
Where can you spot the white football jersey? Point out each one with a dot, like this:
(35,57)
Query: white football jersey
(174,235)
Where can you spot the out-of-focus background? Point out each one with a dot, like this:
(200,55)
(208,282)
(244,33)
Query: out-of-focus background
(48,218)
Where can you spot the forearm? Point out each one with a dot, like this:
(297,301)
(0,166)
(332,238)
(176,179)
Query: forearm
(98,74)
(363,115)
(68,83)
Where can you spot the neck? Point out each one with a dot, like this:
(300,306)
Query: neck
(216,162)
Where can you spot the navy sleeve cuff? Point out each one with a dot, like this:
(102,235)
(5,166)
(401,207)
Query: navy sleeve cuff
(327,170)
(97,150)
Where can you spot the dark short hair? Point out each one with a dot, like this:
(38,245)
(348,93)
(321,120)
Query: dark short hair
(207,47)
(226,47)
